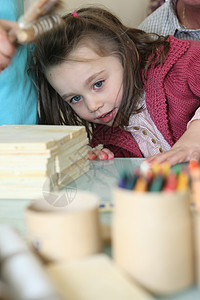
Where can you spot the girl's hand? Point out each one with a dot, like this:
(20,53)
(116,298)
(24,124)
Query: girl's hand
(7,49)
(102,154)
(185,149)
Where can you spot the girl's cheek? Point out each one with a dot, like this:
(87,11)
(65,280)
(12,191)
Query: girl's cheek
(84,116)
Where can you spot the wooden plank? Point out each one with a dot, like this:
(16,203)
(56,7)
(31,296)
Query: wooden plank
(28,163)
(97,277)
(36,137)
(64,160)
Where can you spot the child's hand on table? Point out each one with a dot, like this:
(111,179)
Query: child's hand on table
(187,148)
(102,154)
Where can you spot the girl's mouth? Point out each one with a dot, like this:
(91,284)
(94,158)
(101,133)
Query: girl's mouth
(106,118)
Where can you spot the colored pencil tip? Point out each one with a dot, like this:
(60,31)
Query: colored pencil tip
(193,164)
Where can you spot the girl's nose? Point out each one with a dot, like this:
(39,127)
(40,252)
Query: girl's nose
(94,103)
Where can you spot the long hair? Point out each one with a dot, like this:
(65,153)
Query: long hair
(136,50)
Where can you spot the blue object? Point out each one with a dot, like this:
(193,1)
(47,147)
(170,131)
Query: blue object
(18,96)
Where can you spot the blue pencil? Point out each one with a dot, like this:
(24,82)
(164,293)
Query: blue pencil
(122,181)
(131,181)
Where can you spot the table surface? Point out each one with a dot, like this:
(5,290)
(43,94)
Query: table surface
(100,179)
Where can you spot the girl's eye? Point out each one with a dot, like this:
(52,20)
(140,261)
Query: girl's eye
(75,99)
(98,84)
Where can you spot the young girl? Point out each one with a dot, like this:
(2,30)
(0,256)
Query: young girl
(135,93)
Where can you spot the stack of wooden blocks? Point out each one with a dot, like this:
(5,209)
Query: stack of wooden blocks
(38,159)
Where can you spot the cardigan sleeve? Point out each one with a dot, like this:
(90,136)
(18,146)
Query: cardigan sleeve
(117,140)
(194,79)
(120,152)
(194,70)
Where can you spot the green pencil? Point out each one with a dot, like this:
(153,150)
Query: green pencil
(157,184)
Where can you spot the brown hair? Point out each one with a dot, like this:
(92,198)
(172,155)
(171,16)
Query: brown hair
(135,49)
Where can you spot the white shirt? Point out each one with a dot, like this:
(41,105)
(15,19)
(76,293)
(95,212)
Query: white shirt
(144,131)
(146,134)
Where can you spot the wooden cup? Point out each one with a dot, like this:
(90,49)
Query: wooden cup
(66,233)
(152,239)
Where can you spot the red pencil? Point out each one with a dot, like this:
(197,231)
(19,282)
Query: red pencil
(171,183)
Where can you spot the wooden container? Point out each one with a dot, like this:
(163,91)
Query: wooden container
(152,239)
(196,219)
(66,233)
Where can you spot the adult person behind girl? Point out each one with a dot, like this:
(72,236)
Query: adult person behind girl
(154,4)
(180,18)
(18,96)
(137,93)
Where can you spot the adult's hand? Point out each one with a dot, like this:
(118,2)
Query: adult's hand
(7,48)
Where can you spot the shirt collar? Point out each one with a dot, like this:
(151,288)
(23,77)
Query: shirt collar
(175,25)
(173,20)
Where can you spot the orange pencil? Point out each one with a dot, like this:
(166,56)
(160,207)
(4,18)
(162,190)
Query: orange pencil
(193,164)
(195,178)
(141,184)
(195,183)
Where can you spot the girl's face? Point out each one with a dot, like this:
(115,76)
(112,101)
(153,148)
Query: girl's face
(90,84)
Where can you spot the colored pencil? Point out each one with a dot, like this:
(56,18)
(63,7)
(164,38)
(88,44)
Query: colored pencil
(162,178)
(183,181)
(193,164)
(131,181)
(141,184)
(171,183)
(157,183)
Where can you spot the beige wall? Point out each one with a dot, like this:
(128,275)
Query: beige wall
(131,12)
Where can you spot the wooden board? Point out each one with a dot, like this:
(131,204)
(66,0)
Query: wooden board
(34,138)
(37,157)
(94,278)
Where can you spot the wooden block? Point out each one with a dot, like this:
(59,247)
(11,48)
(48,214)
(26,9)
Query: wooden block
(34,138)
(29,182)
(26,170)
(34,158)
(72,172)
(95,277)
(64,160)
(30,188)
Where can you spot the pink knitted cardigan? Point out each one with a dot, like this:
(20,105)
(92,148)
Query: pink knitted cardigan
(172,96)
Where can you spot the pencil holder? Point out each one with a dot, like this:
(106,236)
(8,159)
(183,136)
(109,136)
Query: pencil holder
(152,239)
(196,219)
(69,232)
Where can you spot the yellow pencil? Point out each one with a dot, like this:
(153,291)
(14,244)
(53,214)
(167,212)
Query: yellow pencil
(156,167)
(183,181)
(165,169)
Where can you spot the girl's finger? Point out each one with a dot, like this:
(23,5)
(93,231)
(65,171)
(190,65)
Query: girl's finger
(91,155)
(108,152)
(101,154)
(96,153)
